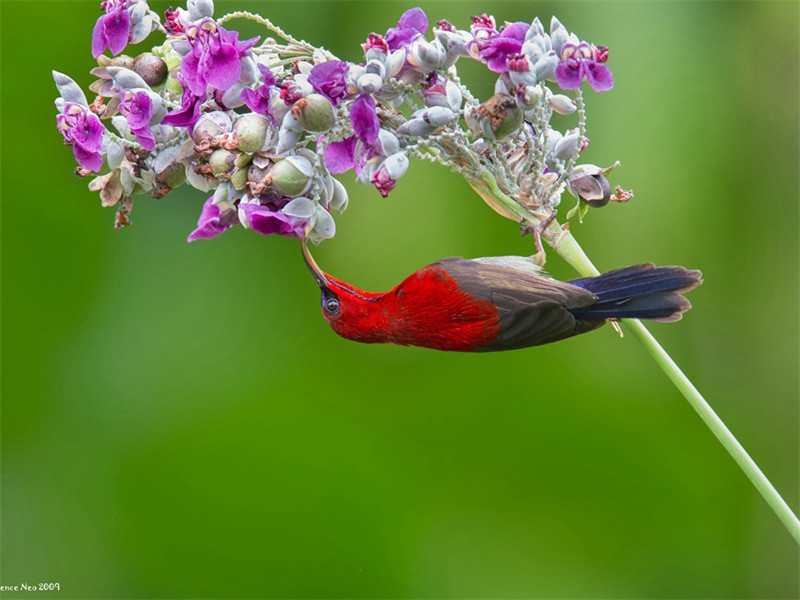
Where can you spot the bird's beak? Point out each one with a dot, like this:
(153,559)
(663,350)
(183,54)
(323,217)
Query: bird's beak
(319,276)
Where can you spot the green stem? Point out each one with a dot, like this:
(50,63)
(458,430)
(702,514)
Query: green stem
(566,246)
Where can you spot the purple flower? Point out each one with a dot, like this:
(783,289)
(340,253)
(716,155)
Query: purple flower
(582,61)
(211,223)
(339,157)
(83,129)
(259,100)
(495,49)
(412,24)
(112,29)
(364,118)
(189,112)
(265,221)
(137,108)
(215,57)
(330,80)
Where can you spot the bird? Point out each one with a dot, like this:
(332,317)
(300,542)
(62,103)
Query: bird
(498,303)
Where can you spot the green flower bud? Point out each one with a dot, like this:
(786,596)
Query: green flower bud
(222,161)
(315,113)
(250,132)
(291,175)
(239,179)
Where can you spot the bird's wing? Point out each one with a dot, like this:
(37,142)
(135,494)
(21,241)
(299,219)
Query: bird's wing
(533,308)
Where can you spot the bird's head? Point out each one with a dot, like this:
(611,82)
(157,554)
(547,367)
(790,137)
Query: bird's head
(349,311)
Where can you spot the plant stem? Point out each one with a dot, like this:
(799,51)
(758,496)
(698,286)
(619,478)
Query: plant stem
(566,246)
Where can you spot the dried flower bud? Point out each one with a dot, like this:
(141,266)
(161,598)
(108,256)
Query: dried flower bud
(588,183)
(150,68)
(250,132)
(497,118)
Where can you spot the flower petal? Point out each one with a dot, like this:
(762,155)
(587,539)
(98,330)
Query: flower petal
(364,118)
(117,29)
(145,137)
(599,76)
(414,18)
(569,75)
(92,161)
(329,79)
(98,37)
(209,224)
(340,156)
(267,222)
(224,68)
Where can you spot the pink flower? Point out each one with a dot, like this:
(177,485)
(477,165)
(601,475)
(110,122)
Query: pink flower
(582,61)
(83,130)
(112,29)
(215,57)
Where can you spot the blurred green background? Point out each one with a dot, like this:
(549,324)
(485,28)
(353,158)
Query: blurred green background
(178,421)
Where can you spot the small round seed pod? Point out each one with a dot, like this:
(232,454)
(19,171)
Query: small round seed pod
(151,68)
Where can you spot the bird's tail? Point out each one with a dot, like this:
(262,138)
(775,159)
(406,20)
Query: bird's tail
(639,292)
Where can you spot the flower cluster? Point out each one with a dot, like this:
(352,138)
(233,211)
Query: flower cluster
(263,126)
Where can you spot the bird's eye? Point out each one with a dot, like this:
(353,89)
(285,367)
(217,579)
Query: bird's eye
(332,306)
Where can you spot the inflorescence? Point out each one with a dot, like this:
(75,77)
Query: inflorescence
(265,125)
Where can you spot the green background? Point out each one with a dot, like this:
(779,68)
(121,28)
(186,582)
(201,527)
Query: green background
(178,420)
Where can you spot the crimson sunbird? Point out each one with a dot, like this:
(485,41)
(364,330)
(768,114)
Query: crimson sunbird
(499,303)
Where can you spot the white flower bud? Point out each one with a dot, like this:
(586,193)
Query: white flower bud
(562,104)
(375,67)
(395,62)
(438,116)
(339,199)
(369,83)
(200,9)
(558,35)
(125,79)
(300,208)
(250,73)
(69,90)
(426,56)
(416,127)
(566,146)
(324,226)
(387,142)
(545,67)
(454,42)
(396,165)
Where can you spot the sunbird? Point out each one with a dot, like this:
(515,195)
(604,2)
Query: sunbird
(498,303)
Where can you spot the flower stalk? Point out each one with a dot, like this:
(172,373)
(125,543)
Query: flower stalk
(568,248)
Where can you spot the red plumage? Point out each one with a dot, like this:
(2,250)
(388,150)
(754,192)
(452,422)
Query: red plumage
(499,303)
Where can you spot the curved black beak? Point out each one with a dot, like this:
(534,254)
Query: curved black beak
(319,276)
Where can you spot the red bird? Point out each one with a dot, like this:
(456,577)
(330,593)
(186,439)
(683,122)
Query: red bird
(498,303)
